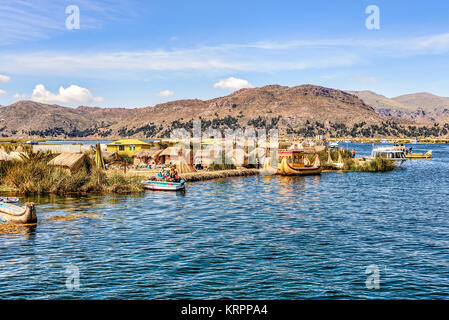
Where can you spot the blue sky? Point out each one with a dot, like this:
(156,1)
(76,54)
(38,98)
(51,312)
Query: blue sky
(140,53)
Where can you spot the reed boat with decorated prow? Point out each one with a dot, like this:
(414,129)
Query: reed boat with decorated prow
(294,162)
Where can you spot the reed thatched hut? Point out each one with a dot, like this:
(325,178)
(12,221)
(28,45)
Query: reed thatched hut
(207,157)
(4,156)
(147,156)
(69,161)
(110,156)
(15,155)
(172,155)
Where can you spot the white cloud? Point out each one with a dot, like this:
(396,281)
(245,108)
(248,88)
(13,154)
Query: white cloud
(72,95)
(229,58)
(2,92)
(363,79)
(4,78)
(232,84)
(166,93)
(20,96)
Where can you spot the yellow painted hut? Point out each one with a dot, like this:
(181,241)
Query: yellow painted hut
(127,146)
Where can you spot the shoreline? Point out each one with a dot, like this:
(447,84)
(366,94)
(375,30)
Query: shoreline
(435,140)
(199,175)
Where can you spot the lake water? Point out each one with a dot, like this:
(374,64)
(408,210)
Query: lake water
(245,238)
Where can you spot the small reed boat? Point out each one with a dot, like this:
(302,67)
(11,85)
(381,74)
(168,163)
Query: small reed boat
(426,155)
(16,214)
(164,185)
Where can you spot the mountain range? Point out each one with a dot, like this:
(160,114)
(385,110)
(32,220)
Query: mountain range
(420,107)
(305,110)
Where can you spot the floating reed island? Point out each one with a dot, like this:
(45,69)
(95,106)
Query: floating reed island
(27,170)
(208,175)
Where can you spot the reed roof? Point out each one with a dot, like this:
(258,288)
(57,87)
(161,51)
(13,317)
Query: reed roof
(68,160)
(148,153)
(4,156)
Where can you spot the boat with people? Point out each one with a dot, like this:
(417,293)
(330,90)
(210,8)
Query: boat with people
(164,185)
(394,153)
(294,162)
(17,214)
(167,179)
(426,155)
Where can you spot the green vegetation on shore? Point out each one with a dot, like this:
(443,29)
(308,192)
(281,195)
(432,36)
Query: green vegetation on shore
(375,165)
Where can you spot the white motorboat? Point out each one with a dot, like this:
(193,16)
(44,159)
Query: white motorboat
(394,153)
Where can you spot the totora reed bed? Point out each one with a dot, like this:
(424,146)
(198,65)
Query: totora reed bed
(33,175)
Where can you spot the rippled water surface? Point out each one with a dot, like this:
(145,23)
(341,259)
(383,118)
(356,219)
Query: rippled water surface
(253,237)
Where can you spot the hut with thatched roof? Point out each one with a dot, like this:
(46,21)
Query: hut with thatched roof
(110,156)
(69,161)
(147,156)
(4,156)
(15,155)
(172,155)
(240,158)
(206,157)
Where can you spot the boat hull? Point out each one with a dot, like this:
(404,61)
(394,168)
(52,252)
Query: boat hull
(20,215)
(285,169)
(164,186)
(288,170)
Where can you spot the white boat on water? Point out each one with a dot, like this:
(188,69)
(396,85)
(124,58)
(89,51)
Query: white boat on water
(9,199)
(333,145)
(384,141)
(414,141)
(164,185)
(396,154)
(348,141)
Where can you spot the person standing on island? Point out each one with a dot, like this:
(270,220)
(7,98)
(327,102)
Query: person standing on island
(353,153)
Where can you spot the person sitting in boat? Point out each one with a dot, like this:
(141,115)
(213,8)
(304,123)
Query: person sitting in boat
(163,174)
(175,175)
